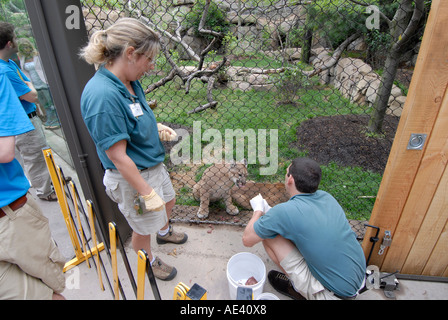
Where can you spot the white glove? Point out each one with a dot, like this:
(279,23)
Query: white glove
(153,202)
(266,206)
(259,204)
(166,133)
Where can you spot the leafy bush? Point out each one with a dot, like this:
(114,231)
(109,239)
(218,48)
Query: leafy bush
(290,82)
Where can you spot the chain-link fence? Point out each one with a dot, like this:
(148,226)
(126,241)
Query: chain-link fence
(261,82)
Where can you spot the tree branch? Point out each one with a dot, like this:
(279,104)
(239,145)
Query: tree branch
(413,23)
(202,23)
(177,38)
(200,73)
(206,75)
(211,102)
(336,55)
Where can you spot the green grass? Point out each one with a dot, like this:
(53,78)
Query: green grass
(353,187)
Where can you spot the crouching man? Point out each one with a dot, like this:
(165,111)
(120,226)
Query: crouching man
(309,238)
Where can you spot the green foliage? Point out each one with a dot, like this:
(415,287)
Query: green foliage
(291,81)
(216,19)
(378,41)
(336,19)
(14,12)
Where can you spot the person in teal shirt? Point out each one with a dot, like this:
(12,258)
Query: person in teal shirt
(309,238)
(127,135)
(110,120)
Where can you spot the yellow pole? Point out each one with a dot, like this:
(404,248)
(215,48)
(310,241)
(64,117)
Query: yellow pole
(78,218)
(58,188)
(58,185)
(141,272)
(93,234)
(113,253)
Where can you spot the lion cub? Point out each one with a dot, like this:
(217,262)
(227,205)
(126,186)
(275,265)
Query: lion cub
(216,183)
(273,193)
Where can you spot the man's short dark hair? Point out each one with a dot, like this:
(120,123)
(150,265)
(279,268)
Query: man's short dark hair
(6,34)
(306,173)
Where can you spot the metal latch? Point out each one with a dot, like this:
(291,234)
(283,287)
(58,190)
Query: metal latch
(389,283)
(387,240)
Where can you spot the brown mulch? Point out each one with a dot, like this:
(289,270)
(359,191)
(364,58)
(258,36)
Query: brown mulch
(344,140)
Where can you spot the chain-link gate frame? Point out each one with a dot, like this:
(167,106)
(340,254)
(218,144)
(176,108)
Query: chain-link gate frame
(271,80)
(307,71)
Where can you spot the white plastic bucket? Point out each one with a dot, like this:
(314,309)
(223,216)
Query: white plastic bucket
(241,267)
(267,296)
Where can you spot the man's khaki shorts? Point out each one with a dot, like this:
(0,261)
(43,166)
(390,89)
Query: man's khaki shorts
(122,193)
(30,263)
(303,281)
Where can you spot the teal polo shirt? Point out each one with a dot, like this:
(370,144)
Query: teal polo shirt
(110,114)
(317,225)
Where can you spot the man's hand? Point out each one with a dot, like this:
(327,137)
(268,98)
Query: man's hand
(259,204)
(166,133)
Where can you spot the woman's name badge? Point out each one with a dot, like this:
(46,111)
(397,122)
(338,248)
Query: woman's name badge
(136,109)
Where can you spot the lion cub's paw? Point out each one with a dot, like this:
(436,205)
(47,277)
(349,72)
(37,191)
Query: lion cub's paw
(202,214)
(232,211)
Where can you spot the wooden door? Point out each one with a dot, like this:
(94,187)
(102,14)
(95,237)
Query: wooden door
(412,202)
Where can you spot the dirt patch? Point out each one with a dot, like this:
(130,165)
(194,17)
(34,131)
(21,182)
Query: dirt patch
(343,140)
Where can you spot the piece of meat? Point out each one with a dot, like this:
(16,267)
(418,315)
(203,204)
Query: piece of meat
(251,281)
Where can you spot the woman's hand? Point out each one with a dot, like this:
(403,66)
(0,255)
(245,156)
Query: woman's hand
(166,133)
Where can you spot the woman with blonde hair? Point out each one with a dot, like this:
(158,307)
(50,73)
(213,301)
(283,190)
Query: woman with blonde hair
(127,136)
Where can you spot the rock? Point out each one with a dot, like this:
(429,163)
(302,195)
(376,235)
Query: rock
(396,106)
(372,91)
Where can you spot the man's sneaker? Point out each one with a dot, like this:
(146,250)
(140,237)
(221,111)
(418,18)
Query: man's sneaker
(163,271)
(173,237)
(282,284)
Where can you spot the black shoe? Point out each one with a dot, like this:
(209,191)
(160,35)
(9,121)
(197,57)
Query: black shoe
(51,197)
(282,284)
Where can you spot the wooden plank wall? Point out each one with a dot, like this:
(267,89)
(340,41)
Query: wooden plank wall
(412,201)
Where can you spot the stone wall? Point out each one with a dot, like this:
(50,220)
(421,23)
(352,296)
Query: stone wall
(357,81)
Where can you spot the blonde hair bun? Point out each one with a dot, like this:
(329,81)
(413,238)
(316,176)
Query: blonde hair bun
(107,45)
